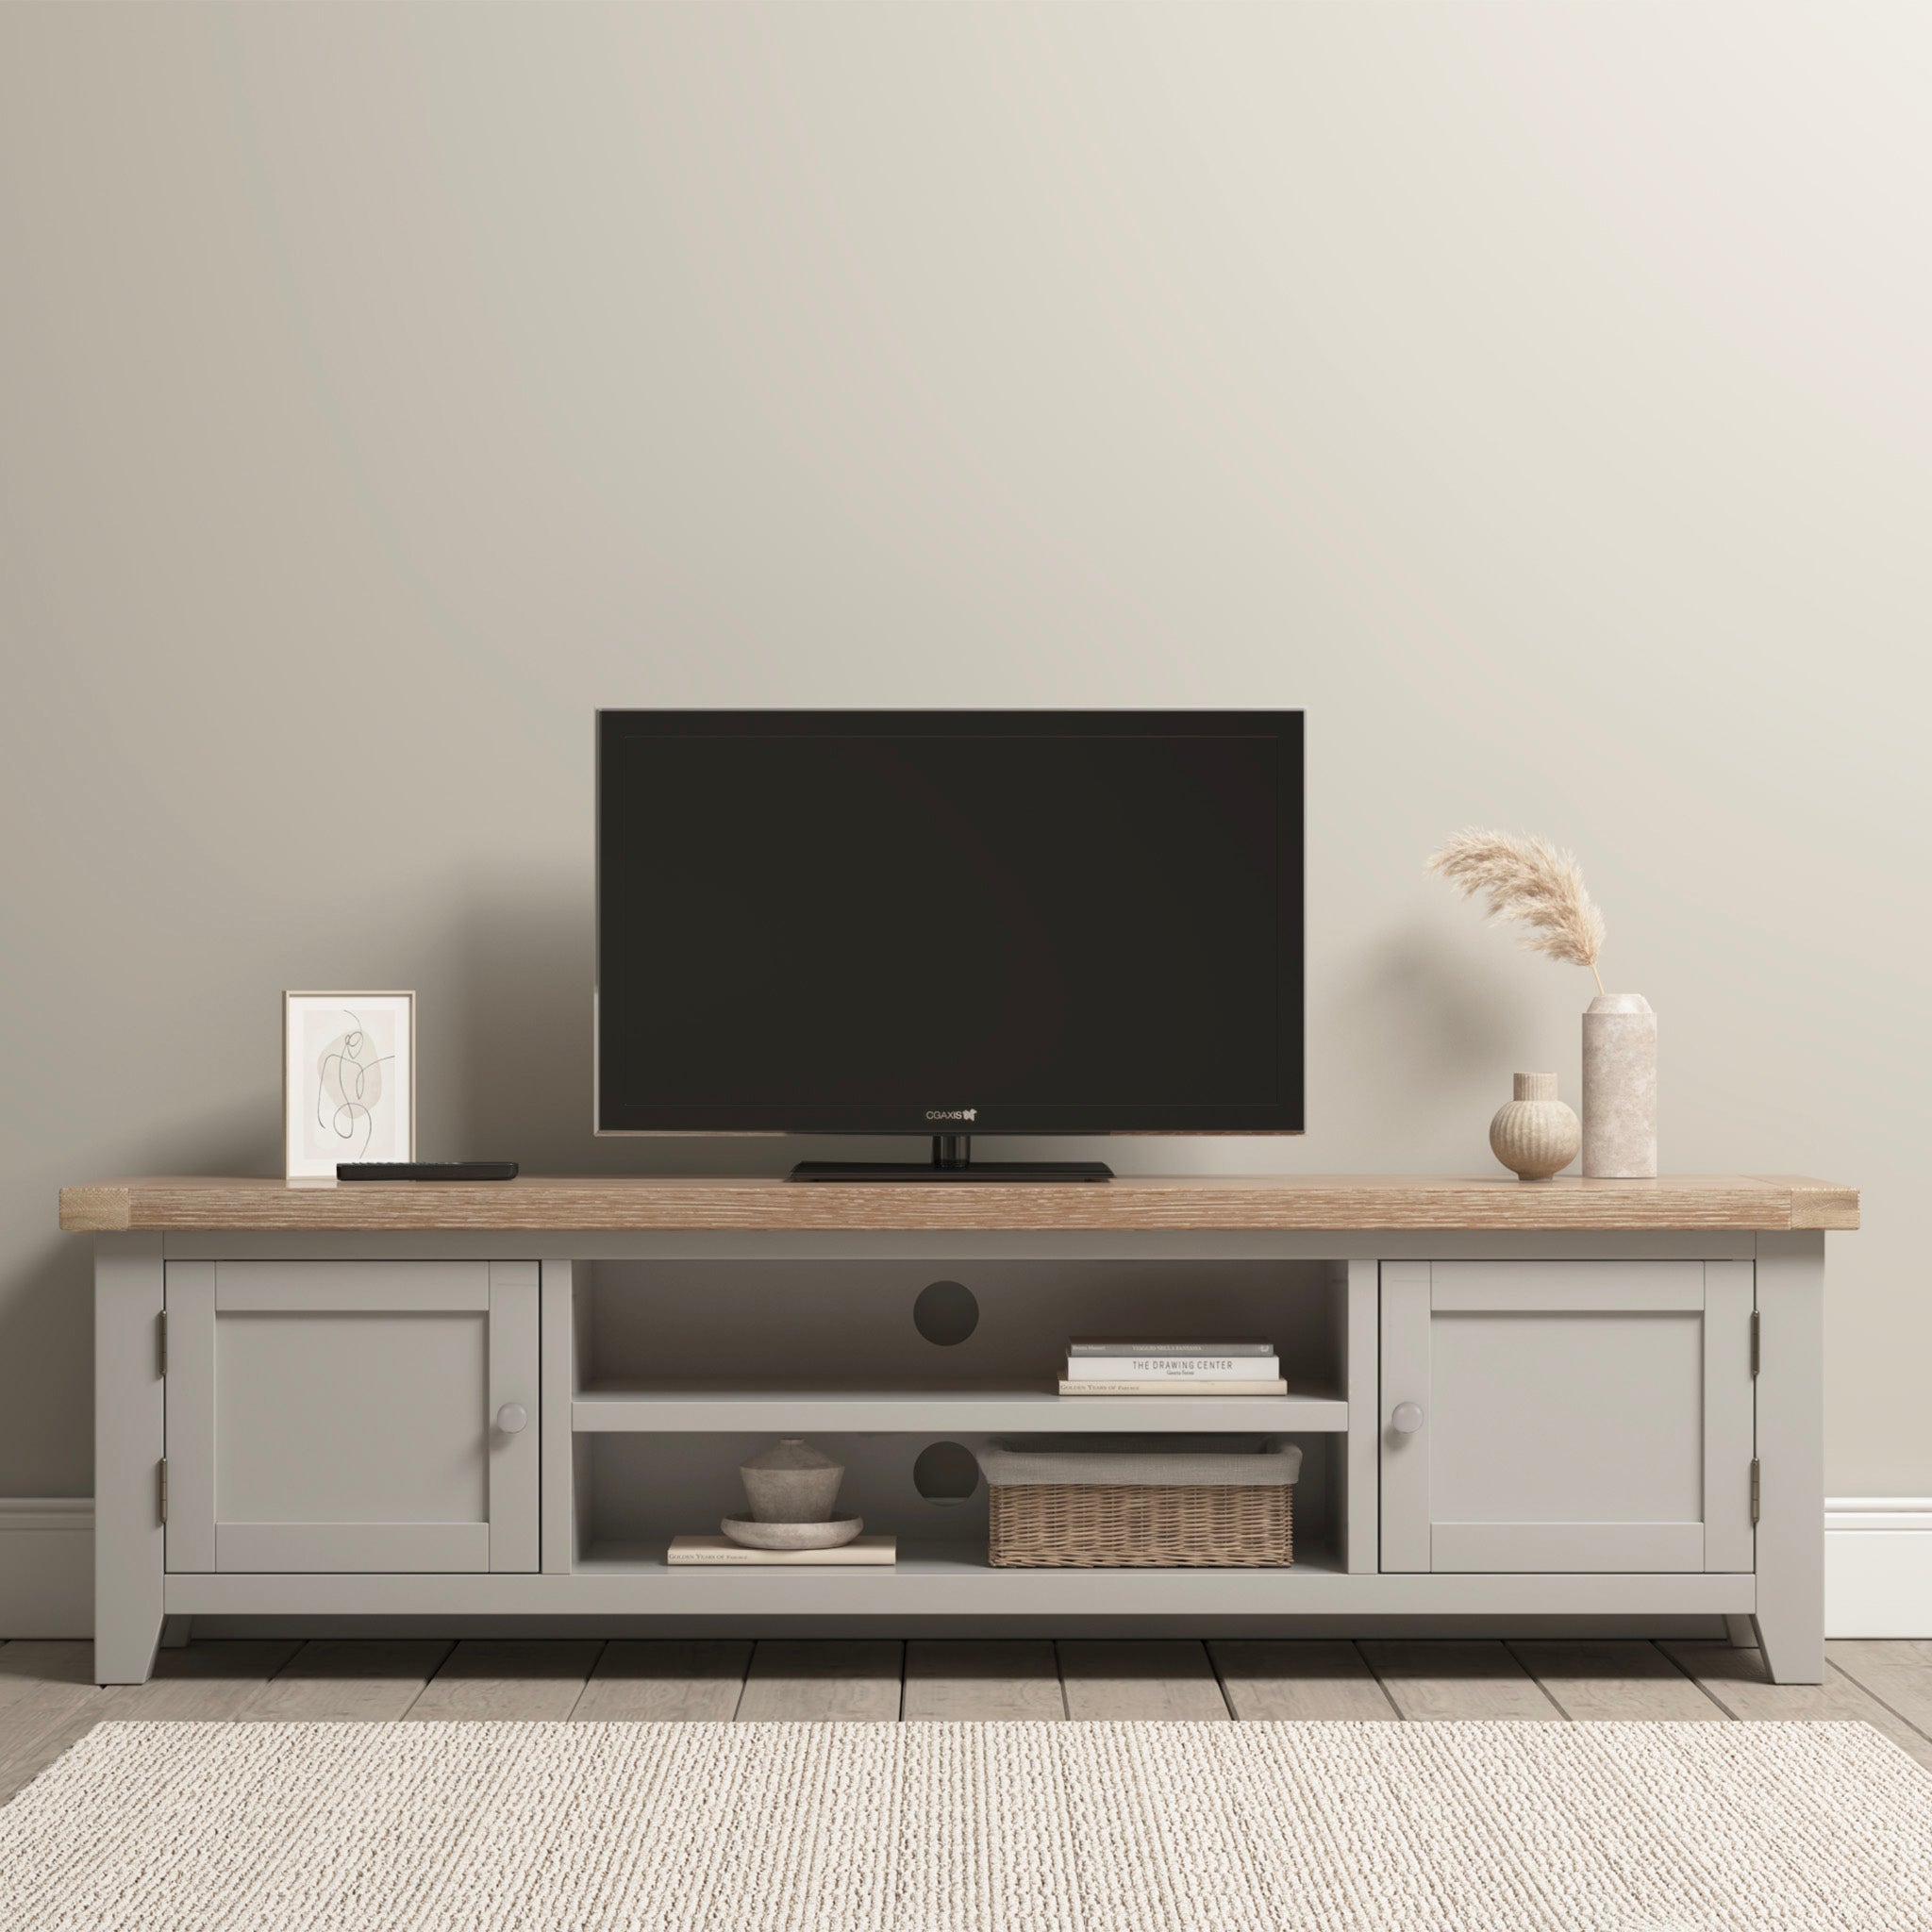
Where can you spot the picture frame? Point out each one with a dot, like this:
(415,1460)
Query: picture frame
(348,1080)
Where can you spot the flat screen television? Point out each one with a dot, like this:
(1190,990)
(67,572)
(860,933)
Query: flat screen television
(949,924)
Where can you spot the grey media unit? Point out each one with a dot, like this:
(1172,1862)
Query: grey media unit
(501,1400)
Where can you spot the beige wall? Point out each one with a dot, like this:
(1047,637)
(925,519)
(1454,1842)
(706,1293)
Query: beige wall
(1540,395)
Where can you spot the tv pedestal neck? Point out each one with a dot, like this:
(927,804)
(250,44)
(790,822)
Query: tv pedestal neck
(952,1160)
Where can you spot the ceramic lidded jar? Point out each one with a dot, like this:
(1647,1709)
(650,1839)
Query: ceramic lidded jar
(791,1483)
(1535,1135)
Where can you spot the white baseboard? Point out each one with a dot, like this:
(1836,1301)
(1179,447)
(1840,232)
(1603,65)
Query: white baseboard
(47,1566)
(1878,1566)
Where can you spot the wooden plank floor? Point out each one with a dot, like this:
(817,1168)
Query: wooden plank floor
(48,1700)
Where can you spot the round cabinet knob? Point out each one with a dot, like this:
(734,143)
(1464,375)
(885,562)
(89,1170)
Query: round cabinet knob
(1407,1418)
(513,1418)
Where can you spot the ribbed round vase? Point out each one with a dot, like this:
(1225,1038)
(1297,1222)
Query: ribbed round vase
(1535,1136)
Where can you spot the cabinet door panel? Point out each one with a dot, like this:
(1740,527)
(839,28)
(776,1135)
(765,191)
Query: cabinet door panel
(1730,1415)
(1546,1416)
(350,1286)
(1618,1287)
(1407,1508)
(1578,1416)
(514,1499)
(321,1548)
(338,1416)
(328,1416)
(1553,1547)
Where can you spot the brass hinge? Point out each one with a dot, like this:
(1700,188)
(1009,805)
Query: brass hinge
(1755,1467)
(1754,1341)
(164,1488)
(162,1331)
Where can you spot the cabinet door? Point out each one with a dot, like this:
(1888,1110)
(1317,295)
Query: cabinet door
(1566,1416)
(346,1415)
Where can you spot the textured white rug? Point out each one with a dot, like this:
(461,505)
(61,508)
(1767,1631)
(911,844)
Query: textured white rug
(1076,1827)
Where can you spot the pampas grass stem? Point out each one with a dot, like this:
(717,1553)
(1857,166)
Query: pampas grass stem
(1529,880)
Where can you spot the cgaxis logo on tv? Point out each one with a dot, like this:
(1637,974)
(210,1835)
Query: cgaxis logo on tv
(952,1113)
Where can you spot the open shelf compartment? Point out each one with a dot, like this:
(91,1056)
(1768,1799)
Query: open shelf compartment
(797,1347)
(637,1490)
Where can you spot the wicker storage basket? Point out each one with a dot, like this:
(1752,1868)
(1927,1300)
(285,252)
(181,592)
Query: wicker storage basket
(1140,1503)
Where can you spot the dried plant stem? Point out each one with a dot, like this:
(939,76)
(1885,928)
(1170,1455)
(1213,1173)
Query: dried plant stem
(1532,881)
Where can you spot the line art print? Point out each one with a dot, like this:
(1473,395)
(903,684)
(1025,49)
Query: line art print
(348,1063)
(350,1087)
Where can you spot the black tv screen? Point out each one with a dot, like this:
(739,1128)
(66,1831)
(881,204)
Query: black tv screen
(949,922)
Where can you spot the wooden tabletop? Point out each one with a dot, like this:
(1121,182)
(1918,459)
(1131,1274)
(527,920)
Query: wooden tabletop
(1767,1203)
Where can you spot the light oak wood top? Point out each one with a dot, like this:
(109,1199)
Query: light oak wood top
(1767,1203)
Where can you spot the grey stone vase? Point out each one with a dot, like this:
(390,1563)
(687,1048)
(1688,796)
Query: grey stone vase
(1619,1088)
(791,1483)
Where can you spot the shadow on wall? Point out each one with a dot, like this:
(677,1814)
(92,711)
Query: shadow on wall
(1419,1021)
(507,1055)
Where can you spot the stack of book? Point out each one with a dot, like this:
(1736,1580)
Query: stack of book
(1139,1365)
(696,1552)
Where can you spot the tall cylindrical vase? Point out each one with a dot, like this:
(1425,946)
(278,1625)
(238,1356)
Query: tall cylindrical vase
(1619,1088)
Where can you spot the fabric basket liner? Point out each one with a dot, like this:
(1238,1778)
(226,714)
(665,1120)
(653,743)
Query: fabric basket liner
(1152,1461)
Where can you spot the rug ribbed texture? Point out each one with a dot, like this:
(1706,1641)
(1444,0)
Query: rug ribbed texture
(925,1827)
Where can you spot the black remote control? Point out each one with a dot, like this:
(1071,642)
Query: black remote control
(425,1170)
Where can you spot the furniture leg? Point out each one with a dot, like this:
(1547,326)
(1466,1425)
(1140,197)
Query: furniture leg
(1791,1427)
(129,1540)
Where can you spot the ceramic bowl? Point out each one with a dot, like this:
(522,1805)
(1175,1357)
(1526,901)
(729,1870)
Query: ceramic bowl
(790,1535)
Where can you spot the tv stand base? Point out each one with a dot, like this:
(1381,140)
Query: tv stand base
(952,1160)
(979,1171)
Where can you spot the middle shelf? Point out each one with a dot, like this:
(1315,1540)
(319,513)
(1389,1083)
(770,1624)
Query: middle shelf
(793,1410)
